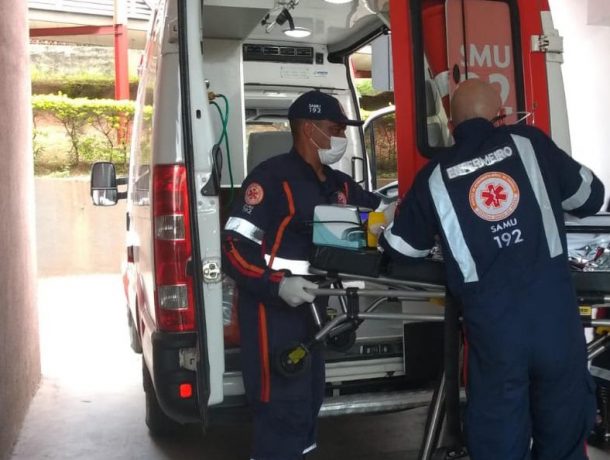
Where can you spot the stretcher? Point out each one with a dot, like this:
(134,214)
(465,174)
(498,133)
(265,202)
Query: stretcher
(424,281)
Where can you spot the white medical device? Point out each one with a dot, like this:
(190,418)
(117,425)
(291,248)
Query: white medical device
(339,226)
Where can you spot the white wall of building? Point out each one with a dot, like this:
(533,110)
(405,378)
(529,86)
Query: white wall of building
(585,26)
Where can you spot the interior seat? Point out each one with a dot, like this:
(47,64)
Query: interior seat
(266,144)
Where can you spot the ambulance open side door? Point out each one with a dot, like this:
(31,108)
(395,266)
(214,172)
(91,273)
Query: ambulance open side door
(436,44)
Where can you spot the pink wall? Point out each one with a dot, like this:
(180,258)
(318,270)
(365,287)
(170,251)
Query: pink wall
(19,343)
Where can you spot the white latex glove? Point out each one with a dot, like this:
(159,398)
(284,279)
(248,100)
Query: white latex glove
(389,212)
(292,290)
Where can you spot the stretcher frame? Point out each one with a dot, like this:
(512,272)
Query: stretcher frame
(399,289)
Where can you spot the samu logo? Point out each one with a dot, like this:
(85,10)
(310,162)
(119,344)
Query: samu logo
(315,108)
(494,196)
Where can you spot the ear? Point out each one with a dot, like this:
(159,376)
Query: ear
(307,128)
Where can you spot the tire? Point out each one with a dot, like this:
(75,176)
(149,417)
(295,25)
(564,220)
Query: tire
(342,342)
(159,424)
(284,365)
(134,336)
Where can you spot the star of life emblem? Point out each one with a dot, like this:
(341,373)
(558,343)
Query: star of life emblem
(254,194)
(494,196)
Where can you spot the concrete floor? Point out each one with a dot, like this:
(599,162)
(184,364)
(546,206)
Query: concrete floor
(90,405)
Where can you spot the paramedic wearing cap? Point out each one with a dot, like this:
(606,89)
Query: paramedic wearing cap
(266,243)
(497,200)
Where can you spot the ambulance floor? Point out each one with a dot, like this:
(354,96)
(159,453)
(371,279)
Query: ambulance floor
(90,404)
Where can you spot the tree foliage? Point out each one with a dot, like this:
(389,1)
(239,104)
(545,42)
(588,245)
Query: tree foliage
(98,129)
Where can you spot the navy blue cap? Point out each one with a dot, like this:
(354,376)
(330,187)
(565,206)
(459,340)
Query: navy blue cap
(316,105)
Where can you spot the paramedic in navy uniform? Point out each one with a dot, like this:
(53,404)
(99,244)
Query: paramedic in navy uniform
(497,200)
(266,243)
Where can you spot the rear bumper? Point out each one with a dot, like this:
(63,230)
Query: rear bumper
(371,403)
(167,375)
(235,408)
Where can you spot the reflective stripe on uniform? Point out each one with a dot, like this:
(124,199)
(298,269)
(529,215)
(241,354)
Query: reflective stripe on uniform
(285,221)
(263,349)
(240,263)
(582,194)
(451,226)
(400,245)
(296,267)
(245,229)
(532,168)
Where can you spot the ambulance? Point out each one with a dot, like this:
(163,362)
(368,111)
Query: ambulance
(216,80)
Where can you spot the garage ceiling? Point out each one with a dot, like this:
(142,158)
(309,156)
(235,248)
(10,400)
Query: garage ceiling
(45,14)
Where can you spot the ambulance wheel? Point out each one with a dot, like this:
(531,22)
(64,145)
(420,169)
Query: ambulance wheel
(159,424)
(342,342)
(292,361)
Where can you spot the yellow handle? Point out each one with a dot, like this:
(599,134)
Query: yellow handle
(375,218)
(297,355)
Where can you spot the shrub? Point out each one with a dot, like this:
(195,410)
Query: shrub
(93,86)
(111,121)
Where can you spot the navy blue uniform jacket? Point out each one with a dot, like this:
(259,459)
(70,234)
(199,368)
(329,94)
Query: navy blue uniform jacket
(497,200)
(273,220)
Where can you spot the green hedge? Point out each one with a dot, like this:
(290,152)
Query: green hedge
(91,89)
(97,129)
(93,86)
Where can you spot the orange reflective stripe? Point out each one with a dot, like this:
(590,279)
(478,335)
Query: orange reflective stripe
(284,224)
(244,263)
(263,349)
(346,188)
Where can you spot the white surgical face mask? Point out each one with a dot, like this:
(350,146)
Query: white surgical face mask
(338,146)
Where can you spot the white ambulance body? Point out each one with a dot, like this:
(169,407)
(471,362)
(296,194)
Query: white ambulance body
(228,65)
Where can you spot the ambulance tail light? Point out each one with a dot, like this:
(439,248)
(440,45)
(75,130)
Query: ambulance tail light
(185,390)
(174,299)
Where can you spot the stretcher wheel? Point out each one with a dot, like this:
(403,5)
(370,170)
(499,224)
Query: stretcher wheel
(343,341)
(292,361)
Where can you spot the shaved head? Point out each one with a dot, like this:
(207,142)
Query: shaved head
(474,99)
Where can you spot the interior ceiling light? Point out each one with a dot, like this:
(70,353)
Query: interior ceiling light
(298,32)
(285,17)
(338,2)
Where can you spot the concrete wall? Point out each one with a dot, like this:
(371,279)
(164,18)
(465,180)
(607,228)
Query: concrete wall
(19,343)
(75,237)
(53,60)
(585,27)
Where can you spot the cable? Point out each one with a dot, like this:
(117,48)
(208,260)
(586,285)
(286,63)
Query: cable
(229,164)
(224,118)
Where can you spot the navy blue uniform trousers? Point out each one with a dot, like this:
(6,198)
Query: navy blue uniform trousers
(527,373)
(285,409)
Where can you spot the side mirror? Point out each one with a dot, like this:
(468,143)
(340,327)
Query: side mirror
(104,191)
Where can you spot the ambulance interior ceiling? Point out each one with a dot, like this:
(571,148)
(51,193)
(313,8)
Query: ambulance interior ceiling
(339,26)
